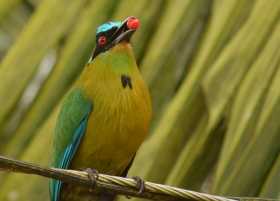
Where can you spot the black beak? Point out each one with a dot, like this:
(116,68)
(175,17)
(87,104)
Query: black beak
(123,33)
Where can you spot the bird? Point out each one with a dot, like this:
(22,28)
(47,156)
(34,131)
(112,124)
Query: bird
(105,116)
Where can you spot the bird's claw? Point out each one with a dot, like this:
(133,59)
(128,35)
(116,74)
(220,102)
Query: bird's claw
(93,176)
(140,184)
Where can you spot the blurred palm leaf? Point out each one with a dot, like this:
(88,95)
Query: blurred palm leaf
(213,68)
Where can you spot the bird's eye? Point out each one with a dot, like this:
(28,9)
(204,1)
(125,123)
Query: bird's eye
(102,40)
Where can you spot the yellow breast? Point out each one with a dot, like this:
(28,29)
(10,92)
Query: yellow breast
(119,121)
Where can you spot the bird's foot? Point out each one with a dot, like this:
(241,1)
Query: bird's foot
(93,176)
(140,184)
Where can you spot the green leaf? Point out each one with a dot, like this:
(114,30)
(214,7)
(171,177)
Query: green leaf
(75,53)
(7,6)
(187,109)
(247,107)
(15,186)
(270,188)
(21,62)
(257,158)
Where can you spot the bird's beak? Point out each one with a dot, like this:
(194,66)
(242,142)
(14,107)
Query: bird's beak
(126,30)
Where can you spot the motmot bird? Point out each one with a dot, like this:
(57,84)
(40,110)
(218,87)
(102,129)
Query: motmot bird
(105,116)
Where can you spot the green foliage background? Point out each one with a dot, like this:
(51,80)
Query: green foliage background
(213,69)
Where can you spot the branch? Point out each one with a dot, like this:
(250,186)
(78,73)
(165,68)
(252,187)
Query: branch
(118,185)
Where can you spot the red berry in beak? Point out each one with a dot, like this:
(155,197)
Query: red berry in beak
(133,23)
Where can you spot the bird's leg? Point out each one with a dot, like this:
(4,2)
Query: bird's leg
(93,176)
(140,184)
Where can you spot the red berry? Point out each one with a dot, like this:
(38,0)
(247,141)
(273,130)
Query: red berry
(133,23)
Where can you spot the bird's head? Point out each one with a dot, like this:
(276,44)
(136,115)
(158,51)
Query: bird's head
(111,34)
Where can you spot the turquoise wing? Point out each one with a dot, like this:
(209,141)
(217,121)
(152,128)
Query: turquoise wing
(70,128)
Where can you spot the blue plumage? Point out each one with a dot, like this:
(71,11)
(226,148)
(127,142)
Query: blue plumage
(107,26)
(68,156)
(72,123)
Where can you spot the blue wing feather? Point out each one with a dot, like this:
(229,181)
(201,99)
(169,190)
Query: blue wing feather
(68,156)
(70,149)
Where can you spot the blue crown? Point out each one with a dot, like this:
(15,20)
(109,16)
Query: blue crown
(107,26)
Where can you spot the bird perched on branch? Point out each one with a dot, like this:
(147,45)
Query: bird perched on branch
(105,116)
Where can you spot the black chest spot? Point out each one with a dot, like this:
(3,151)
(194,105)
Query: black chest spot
(126,81)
